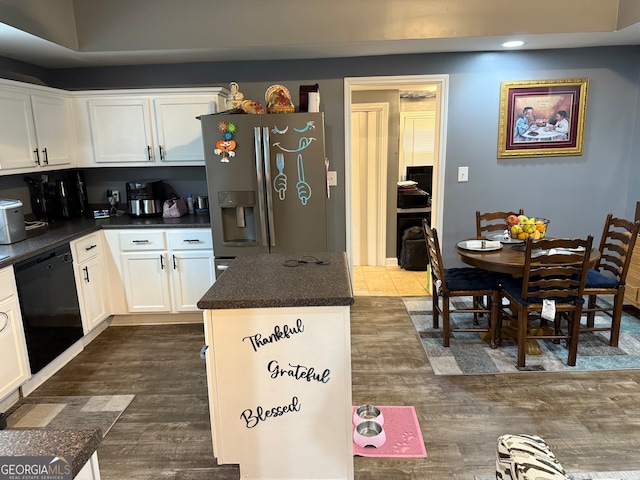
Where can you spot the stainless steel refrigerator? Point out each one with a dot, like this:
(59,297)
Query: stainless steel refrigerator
(267,183)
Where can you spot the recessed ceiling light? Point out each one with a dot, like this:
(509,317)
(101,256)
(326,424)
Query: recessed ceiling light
(513,43)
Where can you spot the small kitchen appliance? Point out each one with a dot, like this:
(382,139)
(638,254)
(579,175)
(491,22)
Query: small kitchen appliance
(12,228)
(145,197)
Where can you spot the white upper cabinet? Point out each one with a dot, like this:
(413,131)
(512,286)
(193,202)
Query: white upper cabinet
(36,129)
(123,128)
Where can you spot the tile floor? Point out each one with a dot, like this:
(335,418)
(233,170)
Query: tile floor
(389,281)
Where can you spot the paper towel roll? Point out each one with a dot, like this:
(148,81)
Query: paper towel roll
(314,102)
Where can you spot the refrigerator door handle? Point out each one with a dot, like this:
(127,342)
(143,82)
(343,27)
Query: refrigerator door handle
(267,168)
(257,137)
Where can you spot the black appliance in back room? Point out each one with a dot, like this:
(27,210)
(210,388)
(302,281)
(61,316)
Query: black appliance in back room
(58,196)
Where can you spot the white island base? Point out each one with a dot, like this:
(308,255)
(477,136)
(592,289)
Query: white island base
(279,384)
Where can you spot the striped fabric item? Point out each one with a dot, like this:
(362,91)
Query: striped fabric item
(526,457)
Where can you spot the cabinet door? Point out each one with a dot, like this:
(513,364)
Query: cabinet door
(52,118)
(14,367)
(92,289)
(179,134)
(17,133)
(146,281)
(192,275)
(121,130)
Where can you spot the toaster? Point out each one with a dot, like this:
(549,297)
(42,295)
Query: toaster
(12,227)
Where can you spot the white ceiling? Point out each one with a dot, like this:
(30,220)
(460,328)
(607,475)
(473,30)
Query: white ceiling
(101,39)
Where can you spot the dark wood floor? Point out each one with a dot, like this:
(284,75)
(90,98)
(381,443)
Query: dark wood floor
(591,420)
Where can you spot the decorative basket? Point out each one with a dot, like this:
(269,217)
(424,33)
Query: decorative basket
(531,227)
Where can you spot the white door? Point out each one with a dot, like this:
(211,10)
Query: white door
(146,282)
(193,274)
(17,133)
(93,293)
(52,118)
(369,179)
(121,130)
(14,368)
(178,131)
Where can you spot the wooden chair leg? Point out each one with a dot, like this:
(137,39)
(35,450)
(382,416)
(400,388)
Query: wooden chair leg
(434,309)
(574,327)
(446,325)
(616,317)
(494,319)
(522,335)
(591,315)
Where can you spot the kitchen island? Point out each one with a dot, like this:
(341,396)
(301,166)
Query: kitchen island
(277,328)
(80,445)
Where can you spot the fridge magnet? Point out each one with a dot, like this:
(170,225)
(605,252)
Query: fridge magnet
(309,126)
(278,100)
(227,145)
(304,189)
(277,131)
(280,182)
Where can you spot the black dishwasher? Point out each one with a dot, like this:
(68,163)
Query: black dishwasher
(49,305)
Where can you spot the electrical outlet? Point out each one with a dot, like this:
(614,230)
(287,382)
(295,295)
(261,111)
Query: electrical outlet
(116,196)
(332,178)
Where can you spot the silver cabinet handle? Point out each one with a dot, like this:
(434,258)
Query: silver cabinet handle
(6,321)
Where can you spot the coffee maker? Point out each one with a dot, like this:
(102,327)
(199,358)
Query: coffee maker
(58,195)
(145,198)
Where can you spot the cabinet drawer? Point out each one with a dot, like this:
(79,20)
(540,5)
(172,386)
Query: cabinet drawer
(190,239)
(137,240)
(87,247)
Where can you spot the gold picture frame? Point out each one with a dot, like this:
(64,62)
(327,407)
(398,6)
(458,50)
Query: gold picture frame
(542,117)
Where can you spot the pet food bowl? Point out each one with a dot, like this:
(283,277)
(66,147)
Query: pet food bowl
(367,412)
(369,433)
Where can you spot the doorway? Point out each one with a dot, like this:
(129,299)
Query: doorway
(351,163)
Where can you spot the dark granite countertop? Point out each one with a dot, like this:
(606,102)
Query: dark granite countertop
(264,281)
(55,234)
(79,444)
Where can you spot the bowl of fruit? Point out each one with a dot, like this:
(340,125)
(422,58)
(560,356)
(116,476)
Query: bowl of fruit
(521,227)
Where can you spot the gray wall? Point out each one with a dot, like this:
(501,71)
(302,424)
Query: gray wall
(575,193)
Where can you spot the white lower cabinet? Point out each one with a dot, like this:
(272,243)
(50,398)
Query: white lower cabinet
(91,469)
(91,282)
(165,271)
(14,367)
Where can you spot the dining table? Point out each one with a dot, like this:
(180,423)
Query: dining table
(507,256)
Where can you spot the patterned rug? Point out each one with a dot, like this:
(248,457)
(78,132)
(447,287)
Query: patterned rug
(469,355)
(76,413)
(624,475)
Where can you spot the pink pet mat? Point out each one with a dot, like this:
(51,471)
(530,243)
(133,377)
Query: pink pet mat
(404,438)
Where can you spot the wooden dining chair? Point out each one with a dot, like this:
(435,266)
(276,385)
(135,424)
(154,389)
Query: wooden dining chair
(491,222)
(608,276)
(459,282)
(555,272)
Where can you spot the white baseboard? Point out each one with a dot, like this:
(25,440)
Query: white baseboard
(9,400)
(391,262)
(156,319)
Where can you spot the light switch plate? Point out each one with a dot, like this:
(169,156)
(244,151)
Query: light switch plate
(463,174)
(332,178)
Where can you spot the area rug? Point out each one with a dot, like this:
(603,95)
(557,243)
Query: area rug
(622,475)
(469,355)
(403,435)
(75,413)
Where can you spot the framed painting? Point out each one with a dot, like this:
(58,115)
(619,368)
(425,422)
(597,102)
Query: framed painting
(542,117)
